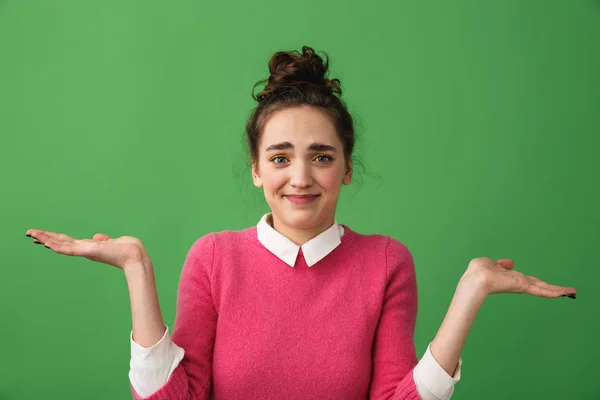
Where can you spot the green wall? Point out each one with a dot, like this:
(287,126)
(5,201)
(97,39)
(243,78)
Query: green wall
(478,123)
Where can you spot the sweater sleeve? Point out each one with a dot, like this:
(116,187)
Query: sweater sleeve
(194,329)
(394,353)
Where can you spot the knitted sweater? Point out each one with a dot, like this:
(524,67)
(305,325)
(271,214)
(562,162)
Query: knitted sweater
(254,328)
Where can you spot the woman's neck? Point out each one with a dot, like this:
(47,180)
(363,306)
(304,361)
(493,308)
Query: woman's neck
(298,236)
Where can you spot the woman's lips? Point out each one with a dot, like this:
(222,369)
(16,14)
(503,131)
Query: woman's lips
(304,199)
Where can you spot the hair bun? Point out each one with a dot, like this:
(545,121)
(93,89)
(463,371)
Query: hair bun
(290,69)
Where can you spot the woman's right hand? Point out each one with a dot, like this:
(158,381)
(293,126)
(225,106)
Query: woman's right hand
(101,248)
(128,254)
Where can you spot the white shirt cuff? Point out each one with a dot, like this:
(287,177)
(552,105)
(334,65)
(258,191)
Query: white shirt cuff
(151,367)
(432,381)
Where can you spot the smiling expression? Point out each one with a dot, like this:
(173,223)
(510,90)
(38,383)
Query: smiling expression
(301,167)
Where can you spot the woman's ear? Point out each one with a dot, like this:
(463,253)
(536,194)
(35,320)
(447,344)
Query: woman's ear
(348,175)
(255,176)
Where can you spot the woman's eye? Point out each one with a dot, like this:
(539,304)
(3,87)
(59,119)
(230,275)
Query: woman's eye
(323,158)
(278,159)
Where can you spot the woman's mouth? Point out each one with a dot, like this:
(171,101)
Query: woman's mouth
(301,199)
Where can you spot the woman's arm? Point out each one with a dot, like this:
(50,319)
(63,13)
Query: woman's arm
(483,277)
(450,338)
(194,329)
(147,320)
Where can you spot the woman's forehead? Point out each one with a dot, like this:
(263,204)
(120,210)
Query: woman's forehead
(299,126)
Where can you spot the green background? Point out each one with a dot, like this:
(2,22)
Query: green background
(478,124)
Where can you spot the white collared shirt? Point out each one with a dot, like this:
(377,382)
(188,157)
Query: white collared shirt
(313,250)
(150,368)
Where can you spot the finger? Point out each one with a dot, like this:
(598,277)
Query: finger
(74,248)
(547,285)
(544,289)
(101,237)
(550,293)
(44,236)
(506,263)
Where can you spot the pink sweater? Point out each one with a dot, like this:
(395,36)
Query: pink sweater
(254,328)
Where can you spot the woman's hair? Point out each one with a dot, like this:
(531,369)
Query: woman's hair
(299,79)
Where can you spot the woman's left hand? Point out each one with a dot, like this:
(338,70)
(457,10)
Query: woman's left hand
(499,277)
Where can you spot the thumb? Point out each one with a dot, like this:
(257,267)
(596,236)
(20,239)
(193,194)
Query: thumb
(101,237)
(506,263)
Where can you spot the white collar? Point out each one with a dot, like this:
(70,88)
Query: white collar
(314,250)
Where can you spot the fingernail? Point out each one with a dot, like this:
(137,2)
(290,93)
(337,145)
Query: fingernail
(37,242)
(28,235)
(572,296)
(46,247)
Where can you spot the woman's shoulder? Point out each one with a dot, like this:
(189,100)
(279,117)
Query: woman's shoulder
(225,238)
(394,250)
(374,239)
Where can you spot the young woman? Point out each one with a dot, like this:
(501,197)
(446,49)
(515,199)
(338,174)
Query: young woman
(298,306)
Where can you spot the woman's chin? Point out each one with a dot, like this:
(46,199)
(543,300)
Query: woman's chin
(301,219)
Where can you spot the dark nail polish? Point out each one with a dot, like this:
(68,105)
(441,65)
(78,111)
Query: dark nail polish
(572,296)
(46,247)
(37,242)
(28,235)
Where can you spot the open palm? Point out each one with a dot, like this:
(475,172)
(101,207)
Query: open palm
(500,277)
(101,248)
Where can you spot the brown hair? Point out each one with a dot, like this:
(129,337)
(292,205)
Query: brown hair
(299,79)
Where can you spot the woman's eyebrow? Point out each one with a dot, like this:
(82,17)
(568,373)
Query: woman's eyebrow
(322,147)
(280,146)
(312,147)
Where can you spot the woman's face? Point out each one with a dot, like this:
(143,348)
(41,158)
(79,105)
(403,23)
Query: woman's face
(301,168)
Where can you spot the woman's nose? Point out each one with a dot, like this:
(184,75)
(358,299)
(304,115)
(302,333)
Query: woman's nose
(301,175)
